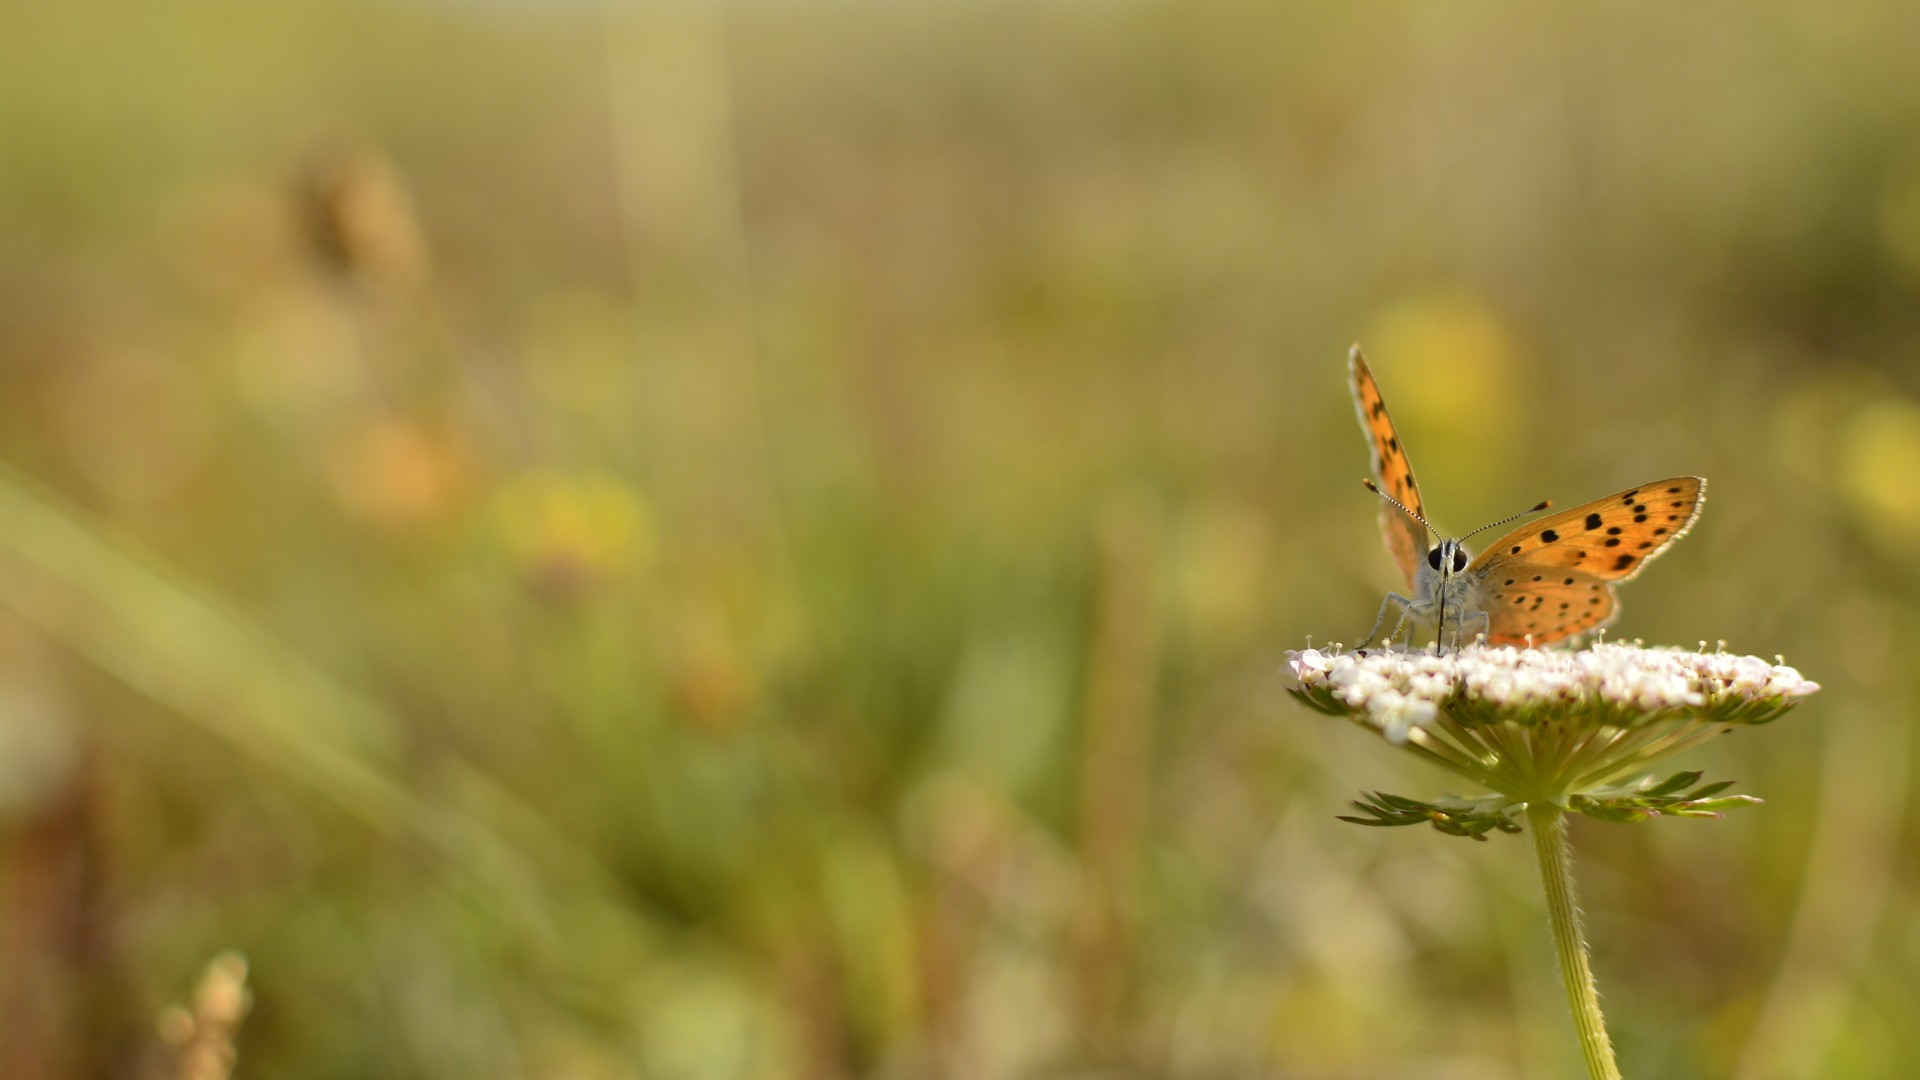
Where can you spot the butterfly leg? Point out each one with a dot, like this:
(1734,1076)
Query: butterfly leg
(1483,618)
(1393,600)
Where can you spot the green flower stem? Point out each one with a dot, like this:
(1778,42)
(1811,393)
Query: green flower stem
(1549,828)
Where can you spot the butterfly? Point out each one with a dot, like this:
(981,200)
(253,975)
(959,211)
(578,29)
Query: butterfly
(1549,579)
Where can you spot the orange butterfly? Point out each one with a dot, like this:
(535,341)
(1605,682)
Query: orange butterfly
(1549,579)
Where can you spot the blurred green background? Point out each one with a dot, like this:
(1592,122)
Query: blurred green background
(757,540)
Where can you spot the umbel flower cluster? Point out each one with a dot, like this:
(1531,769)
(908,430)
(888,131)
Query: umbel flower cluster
(1538,725)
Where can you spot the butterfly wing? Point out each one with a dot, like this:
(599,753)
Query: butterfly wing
(1541,604)
(1553,577)
(1610,538)
(1406,540)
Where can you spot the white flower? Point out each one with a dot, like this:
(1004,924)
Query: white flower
(1397,714)
(1619,685)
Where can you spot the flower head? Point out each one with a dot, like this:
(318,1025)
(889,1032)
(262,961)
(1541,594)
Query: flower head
(1537,724)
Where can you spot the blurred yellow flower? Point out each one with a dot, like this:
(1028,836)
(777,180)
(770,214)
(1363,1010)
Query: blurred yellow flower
(1880,468)
(572,527)
(1451,332)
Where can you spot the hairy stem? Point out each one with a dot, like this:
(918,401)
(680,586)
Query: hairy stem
(1549,828)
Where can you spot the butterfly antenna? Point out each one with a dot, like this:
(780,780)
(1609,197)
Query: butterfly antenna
(1402,507)
(1536,508)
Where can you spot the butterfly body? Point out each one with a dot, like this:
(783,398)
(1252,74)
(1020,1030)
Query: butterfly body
(1441,585)
(1444,594)
(1548,579)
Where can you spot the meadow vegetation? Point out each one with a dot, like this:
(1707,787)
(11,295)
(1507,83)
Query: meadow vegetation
(752,540)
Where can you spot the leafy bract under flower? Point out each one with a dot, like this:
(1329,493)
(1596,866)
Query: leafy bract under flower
(1534,724)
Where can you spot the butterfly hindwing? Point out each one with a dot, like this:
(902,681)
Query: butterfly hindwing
(1608,539)
(1543,604)
(1406,540)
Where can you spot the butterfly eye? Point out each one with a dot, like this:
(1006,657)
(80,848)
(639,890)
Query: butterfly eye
(1459,560)
(1433,558)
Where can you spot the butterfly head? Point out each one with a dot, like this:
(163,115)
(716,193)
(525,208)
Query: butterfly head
(1449,557)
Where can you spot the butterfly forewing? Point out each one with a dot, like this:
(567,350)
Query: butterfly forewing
(1608,539)
(1406,540)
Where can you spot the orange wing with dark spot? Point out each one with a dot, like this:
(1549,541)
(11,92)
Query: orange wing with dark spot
(1554,577)
(1406,539)
(1610,538)
(1545,605)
